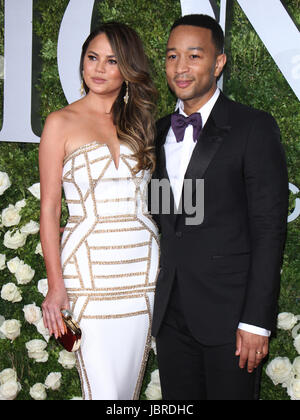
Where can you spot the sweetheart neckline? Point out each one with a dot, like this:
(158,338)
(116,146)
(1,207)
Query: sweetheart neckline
(98,144)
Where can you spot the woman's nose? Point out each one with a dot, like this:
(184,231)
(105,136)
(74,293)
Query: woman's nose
(100,66)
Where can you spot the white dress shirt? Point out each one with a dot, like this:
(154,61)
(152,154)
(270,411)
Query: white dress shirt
(178,156)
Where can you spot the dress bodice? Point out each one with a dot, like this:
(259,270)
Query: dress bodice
(94,187)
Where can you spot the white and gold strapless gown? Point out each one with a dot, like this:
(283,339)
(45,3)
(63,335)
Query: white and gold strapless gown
(109,256)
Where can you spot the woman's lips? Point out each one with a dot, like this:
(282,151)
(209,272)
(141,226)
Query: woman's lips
(98,80)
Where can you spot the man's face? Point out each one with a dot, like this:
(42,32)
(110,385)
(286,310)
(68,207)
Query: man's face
(192,63)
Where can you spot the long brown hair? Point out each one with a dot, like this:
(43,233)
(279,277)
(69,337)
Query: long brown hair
(135,121)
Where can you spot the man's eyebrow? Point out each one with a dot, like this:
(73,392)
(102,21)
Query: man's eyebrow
(189,49)
(196,48)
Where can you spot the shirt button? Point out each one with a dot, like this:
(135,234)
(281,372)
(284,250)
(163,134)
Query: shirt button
(178,234)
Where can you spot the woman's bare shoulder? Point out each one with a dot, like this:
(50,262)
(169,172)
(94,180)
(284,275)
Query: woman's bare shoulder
(54,134)
(59,124)
(61,117)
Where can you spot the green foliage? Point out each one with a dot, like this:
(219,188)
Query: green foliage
(251,77)
(46,23)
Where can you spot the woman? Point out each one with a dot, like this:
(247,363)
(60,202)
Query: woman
(101,149)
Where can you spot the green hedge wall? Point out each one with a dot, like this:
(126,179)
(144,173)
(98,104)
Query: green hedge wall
(251,77)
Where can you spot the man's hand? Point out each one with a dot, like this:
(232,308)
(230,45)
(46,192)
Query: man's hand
(252,348)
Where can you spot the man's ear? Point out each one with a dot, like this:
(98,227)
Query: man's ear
(220,63)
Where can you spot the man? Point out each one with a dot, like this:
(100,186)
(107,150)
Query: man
(217,290)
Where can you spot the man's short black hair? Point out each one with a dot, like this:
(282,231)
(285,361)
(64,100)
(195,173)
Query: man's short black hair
(204,21)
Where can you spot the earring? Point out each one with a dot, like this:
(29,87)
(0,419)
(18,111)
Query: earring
(126,97)
(82,88)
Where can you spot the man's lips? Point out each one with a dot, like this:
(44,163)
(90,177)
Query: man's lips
(183,83)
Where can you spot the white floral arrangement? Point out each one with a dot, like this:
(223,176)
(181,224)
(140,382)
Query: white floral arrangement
(22,275)
(14,233)
(281,370)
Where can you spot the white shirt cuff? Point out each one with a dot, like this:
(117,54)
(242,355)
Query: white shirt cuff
(254,330)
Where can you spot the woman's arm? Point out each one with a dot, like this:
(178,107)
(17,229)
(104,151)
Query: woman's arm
(51,155)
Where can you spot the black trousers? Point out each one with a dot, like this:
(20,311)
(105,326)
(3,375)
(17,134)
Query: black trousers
(190,370)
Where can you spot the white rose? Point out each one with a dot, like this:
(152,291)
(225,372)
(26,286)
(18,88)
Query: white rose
(153,391)
(11,293)
(35,190)
(36,345)
(30,228)
(43,286)
(297,343)
(11,329)
(36,350)
(296,367)
(279,371)
(13,264)
(7,375)
(4,182)
(20,204)
(293,389)
(24,273)
(286,321)
(2,319)
(53,381)
(32,313)
(295,330)
(2,261)
(40,326)
(39,357)
(14,240)
(38,392)
(10,216)
(9,390)
(67,359)
(38,250)
(153,345)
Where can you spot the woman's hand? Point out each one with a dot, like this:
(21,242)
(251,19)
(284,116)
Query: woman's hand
(55,301)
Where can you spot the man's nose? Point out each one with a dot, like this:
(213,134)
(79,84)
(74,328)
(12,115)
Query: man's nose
(182,66)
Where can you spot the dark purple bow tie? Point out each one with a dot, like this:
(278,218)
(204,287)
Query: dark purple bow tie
(179,123)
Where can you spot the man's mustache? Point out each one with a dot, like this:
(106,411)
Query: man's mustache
(183,78)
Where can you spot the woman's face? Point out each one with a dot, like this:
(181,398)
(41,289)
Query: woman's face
(100,68)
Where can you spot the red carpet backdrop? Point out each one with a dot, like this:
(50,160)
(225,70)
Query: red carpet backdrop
(40,42)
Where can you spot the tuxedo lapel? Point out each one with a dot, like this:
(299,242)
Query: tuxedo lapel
(162,131)
(207,146)
(161,170)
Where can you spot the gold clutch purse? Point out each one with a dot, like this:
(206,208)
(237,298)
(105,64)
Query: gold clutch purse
(71,340)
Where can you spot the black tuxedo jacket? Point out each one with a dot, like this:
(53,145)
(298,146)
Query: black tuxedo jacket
(228,267)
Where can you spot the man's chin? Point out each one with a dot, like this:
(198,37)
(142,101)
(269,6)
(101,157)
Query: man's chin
(192,95)
(183,96)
